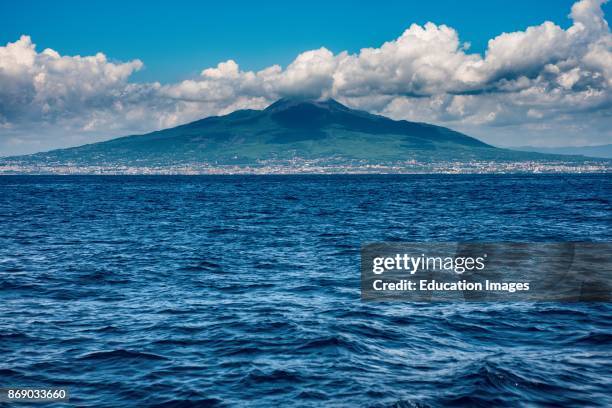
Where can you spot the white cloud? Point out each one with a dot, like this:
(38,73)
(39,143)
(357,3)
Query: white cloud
(46,85)
(543,85)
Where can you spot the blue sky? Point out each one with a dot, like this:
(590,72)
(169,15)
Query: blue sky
(509,73)
(175,40)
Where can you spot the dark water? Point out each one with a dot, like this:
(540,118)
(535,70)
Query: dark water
(233,291)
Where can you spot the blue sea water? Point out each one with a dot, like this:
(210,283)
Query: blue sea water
(244,291)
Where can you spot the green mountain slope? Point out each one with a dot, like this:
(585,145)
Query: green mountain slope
(326,131)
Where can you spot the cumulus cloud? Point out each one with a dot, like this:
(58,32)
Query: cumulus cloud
(47,85)
(543,85)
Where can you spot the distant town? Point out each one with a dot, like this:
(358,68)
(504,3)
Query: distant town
(315,166)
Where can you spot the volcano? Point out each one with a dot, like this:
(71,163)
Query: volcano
(288,130)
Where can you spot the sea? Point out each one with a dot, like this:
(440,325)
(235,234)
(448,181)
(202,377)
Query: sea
(231,291)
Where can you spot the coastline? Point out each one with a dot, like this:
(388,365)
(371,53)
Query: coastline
(531,167)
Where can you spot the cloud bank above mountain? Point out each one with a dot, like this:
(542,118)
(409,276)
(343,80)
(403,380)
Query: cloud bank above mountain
(543,86)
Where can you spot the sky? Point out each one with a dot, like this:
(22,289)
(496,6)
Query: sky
(510,73)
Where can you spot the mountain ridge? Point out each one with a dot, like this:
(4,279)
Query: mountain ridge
(323,132)
(599,151)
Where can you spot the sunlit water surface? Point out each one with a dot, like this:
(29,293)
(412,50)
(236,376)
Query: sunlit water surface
(232,291)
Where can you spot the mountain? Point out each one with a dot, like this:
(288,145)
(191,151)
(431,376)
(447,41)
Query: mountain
(602,151)
(287,132)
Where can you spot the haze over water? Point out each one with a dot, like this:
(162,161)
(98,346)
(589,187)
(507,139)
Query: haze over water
(239,290)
